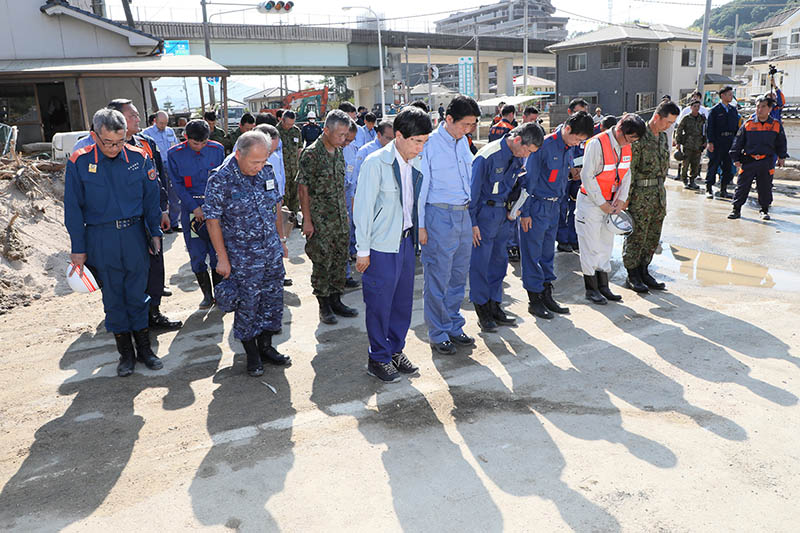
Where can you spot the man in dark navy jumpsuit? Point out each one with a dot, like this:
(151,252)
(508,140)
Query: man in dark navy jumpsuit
(722,125)
(760,140)
(112,215)
(497,171)
(190,163)
(546,182)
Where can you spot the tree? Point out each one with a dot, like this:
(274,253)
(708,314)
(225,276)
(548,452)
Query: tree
(723,19)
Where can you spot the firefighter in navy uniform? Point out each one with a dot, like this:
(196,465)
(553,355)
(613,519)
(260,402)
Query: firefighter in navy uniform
(755,147)
(722,125)
(112,215)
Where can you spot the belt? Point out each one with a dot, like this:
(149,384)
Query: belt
(199,197)
(650,182)
(119,224)
(452,207)
(757,157)
(492,203)
(727,133)
(407,232)
(550,199)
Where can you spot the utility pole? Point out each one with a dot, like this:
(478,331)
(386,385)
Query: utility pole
(525,51)
(408,76)
(207,39)
(126,6)
(735,44)
(704,48)
(430,87)
(477,66)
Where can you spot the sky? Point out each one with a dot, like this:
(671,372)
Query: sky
(419,15)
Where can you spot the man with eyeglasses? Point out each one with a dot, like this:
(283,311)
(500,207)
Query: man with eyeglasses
(111,196)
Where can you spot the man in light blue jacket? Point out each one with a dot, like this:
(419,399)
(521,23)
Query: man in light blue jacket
(384,212)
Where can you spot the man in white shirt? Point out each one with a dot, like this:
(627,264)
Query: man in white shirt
(165,138)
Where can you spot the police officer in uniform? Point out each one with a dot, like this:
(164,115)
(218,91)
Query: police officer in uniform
(241,209)
(112,215)
(546,182)
(497,171)
(190,163)
(758,142)
(722,125)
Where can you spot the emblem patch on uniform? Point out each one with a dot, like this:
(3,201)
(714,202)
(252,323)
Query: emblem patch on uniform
(626,158)
(152,174)
(499,170)
(92,168)
(297,140)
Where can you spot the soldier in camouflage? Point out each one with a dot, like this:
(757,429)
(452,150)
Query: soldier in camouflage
(217,133)
(292,140)
(647,199)
(241,212)
(691,138)
(320,188)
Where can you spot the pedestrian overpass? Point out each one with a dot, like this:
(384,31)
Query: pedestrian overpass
(333,51)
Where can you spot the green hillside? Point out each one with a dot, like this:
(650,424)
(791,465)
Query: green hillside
(751,13)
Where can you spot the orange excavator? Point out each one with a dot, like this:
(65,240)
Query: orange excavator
(302,102)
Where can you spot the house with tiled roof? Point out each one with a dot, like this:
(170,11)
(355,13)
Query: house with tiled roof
(776,41)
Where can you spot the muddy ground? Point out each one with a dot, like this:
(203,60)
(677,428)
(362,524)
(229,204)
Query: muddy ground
(673,412)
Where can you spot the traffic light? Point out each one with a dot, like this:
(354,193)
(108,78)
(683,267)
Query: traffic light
(273,7)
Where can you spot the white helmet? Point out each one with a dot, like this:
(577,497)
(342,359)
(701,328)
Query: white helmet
(81,281)
(311,114)
(619,223)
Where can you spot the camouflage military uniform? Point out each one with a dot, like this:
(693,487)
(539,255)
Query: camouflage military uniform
(690,135)
(221,137)
(323,174)
(647,197)
(292,141)
(246,209)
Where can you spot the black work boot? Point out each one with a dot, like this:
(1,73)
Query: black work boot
(326,315)
(127,357)
(268,352)
(735,213)
(339,308)
(686,183)
(499,315)
(550,302)
(602,287)
(650,281)
(254,366)
(692,185)
(157,320)
(485,320)
(215,277)
(144,354)
(592,291)
(205,285)
(536,306)
(635,282)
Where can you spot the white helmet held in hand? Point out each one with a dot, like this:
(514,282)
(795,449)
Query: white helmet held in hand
(619,223)
(81,280)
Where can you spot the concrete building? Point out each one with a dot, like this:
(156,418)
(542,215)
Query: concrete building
(271,98)
(59,63)
(776,41)
(629,68)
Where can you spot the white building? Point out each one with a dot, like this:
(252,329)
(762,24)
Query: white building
(776,41)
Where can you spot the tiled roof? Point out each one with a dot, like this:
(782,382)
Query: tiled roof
(634,32)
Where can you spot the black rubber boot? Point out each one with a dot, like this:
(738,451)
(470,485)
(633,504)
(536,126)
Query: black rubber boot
(326,315)
(550,302)
(499,315)
(158,320)
(602,287)
(536,306)
(127,356)
(635,282)
(485,320)
(692,185)
(650,281)
(205,285)
(592,292)
(254,366)
(339,308)
(268,352)
(144,354)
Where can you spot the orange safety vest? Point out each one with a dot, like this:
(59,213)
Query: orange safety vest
(613,171)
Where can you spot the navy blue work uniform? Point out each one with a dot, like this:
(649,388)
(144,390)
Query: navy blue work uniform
(189,171)
(310,131)
(566,218)
(756,147)
(110,205)
(546,181)
(495,172)
(721,127)
(246,207)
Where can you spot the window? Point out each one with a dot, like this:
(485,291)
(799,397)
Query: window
(794,40)
(645,101)
(638,56)
(591,98)
(777,46)
(688,57)
(610,57)
(763,80)
(710,57)
(576,62)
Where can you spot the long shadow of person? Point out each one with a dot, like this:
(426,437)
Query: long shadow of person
(699,357)
(77,458)
(426,469)
(626,376)
(250,424)
(725,330)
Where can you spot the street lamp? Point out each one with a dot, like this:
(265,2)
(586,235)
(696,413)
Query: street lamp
(380,54)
